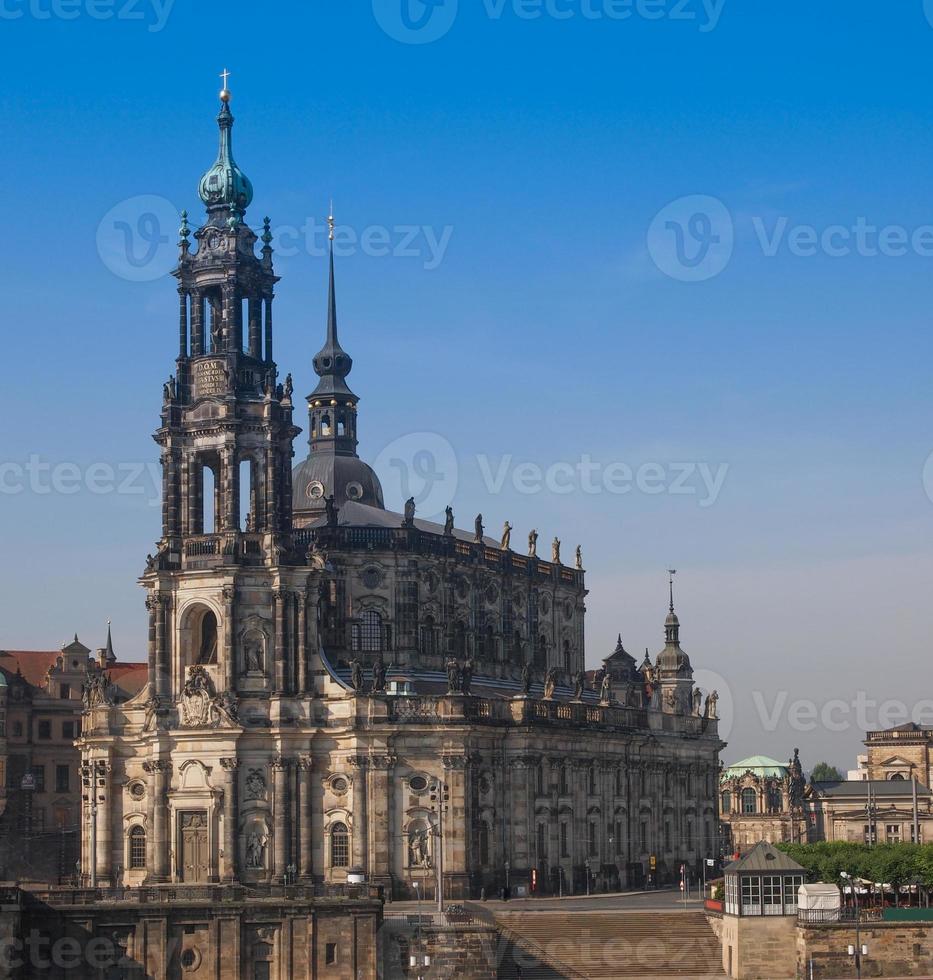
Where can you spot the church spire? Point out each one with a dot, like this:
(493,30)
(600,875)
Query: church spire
(225,189)
(108,650)
(672,623)
(332,404)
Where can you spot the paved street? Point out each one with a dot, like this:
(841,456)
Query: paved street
(667,900)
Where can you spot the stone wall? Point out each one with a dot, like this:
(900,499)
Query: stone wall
(467,952)
(757,947)
(895,949)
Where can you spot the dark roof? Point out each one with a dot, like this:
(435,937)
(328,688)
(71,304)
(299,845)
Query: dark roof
(763,857)
(858,789)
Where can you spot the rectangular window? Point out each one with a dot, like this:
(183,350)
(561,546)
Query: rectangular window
(618,837)
(542,842)
(68,730)
(64,692)
(594,840)
(772,895)
(751,896)
(667,835)
(38,774)
(790,894)
(892,833)
(44,730)
(644,835)
(330,954)
(62,779)
(564,843)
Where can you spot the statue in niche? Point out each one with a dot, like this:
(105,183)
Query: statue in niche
(466,676)
(506,536)
(449,521)
(255,785)
(409,520)
(697,702)
(605,693)
(579,682)
(256,844)
(533,544)
(418,856)
(254,658)
(379,675)
(550,684)
(453,676)
(526,680)
(356,675)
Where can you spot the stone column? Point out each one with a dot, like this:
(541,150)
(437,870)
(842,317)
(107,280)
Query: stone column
(152,607)
(162,667)
(518,847)
(182,323)
(360,766)
(197,323)
(227,516)
(302,642)
(231,836)
(280,766)
(255,327)
(456,878)
(229,634)
(104,857)
(159,869)
(305,852)
(268,351)
(279,598)
(272,493)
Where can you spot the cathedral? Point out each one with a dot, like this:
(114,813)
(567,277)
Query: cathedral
(337,693)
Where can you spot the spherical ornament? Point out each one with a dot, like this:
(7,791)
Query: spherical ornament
(225,95)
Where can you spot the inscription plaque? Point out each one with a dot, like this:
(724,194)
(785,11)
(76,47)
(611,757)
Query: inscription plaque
(210,378)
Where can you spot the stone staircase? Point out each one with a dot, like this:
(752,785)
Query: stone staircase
(607,945)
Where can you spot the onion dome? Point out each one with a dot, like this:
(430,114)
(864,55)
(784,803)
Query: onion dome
(225,187)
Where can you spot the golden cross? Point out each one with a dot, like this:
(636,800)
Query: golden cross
(225,75)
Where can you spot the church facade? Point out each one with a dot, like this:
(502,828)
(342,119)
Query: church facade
(337,692)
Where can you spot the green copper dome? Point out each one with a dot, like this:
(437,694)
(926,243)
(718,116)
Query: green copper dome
(225,187)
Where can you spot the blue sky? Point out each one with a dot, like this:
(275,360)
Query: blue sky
(552,326)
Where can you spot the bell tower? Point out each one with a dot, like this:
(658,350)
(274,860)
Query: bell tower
(226,439)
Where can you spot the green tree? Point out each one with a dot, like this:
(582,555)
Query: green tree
(823,772)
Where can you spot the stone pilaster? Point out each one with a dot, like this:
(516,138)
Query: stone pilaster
(305,849)
(159,773)
(302,642)
(162,671)
(231,817)
(279,598)
(360,766)
(229,627)
(280,828)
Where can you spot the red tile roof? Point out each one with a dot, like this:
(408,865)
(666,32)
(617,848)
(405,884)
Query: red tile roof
(32,664)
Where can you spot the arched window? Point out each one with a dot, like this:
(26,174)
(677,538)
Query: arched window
(593,789)
(368,633)
(749,801)
(567,664)
(429,637)
(542,841)
(897,777)
(207,645)
(726,801)
(541,652)
(339,846)
(137,848)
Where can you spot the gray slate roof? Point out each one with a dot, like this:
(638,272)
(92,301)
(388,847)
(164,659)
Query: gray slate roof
(880,789)
(765,858)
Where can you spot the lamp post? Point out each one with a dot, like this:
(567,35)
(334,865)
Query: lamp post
(586,864)
(858,950)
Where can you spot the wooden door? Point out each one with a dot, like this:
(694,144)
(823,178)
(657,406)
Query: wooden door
(195,859)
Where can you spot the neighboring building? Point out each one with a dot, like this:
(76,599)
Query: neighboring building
(761,799)
(324,674)
(870,811)
(905,752)
(40,785)
(860,773)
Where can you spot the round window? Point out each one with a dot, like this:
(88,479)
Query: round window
(354,491)
(418,784)
(315,490)
(137,791)
(339,785)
